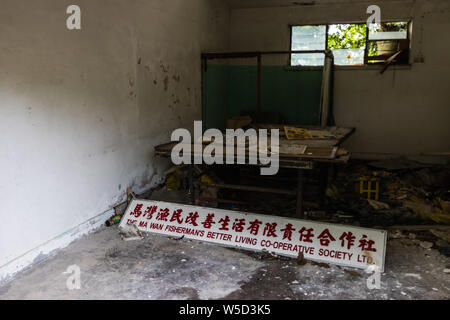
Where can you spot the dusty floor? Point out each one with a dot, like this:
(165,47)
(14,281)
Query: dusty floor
(161,268)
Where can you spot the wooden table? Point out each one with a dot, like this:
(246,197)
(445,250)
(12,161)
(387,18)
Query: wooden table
(319,152)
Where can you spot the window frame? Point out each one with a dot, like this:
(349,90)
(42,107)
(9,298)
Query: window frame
(366,49)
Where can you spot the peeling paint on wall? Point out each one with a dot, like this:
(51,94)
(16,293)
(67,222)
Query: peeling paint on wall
(54,89)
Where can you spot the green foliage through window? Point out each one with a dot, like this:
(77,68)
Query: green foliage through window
(352,44)
(347,36)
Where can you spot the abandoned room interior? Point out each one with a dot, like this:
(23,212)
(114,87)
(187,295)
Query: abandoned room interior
(225,150)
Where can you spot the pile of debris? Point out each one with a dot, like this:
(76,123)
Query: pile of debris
(408,193)
(404,193)
(427,237)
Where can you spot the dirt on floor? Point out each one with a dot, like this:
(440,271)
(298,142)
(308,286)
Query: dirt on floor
(160,268)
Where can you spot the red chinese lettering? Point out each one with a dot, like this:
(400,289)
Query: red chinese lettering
(176,216)
(254,226)
(366,245)
(288,232)
(325,238)
(269,230)
(209,221)
(349,237)
(163,214)
(238,225)
(150,212)
(192,218)
(137,211)
(306,234)
(225,222)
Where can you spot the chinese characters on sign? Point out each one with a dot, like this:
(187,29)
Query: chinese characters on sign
(343,245)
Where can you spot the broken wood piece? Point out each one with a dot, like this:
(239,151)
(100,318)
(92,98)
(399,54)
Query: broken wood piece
(130,232)
(292,149)
(320,264)
(197,169)
(176,239)
(301,259)
(378,205)
(173,169)
(353,273)
(249,188)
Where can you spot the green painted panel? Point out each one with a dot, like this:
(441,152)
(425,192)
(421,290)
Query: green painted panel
(215,96)
(295,94)
(243,90)
(230,90)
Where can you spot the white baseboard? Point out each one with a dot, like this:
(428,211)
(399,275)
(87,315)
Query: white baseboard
(17,264)
(11,268)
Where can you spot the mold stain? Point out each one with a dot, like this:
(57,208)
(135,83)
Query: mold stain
(166,83)
(164,68)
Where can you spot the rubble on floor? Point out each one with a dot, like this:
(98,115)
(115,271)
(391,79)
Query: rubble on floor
(158,268)
(427,237)
(130,232)
(410,194)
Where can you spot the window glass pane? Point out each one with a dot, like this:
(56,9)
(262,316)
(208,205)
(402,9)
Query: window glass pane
(381,50)
(348,42)
(308,38)
(307,59)
(348,57)
(388,31)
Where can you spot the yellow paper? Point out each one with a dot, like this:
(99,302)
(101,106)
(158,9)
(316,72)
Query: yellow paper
(293,133)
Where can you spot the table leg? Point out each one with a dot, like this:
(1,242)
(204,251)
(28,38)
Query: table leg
(191,184)
(299,212)
(323,183)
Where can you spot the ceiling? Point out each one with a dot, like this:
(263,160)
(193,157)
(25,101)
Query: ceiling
(238,4)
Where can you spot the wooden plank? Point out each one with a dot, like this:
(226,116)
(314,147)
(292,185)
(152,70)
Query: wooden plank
(248,188)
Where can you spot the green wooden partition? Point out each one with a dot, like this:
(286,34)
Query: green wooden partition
(230,90)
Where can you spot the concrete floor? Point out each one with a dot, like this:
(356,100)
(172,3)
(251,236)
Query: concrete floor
(160,268)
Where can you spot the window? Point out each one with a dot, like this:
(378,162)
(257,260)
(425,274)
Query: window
(308,38)
(348,43)
(352,44)
(388,40)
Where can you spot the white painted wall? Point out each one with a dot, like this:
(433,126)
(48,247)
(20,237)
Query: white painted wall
(81,111)
(404,111)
